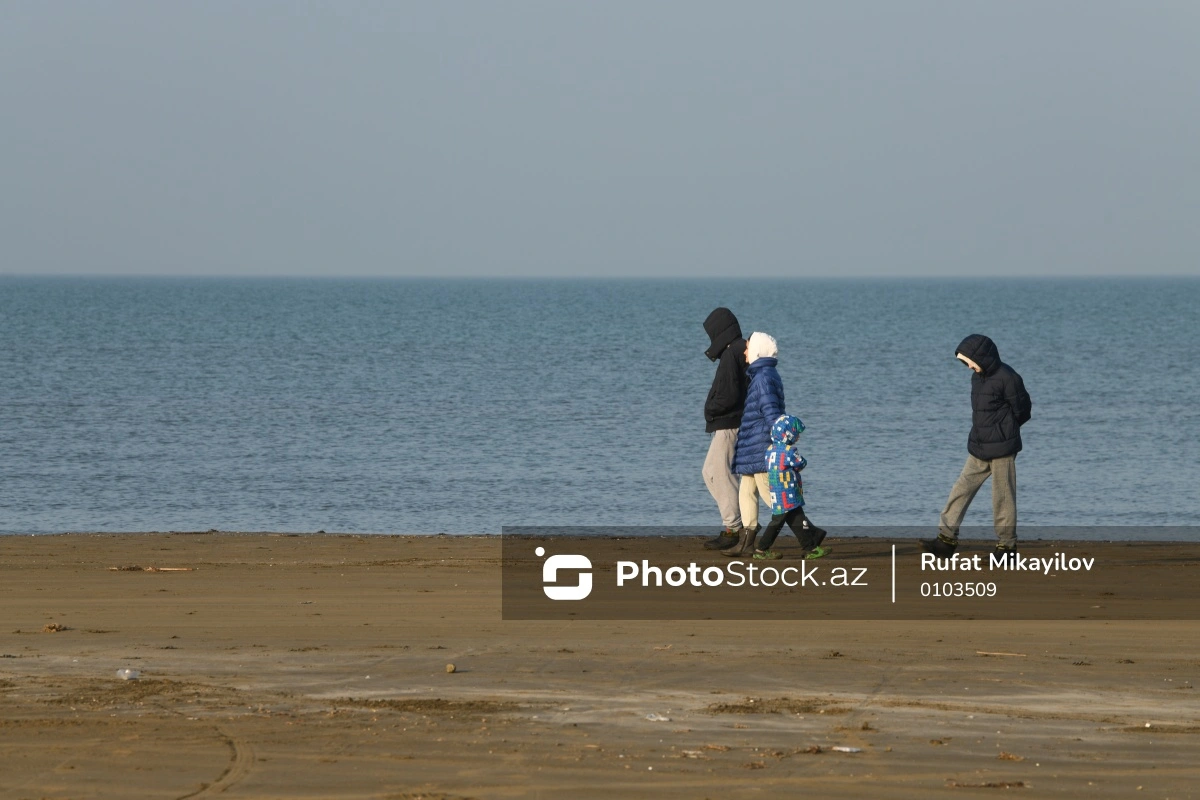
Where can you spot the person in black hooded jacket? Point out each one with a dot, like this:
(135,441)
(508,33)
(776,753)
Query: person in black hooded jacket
(999,407)
(722,416)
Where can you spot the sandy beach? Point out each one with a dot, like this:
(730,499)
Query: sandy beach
(317,666)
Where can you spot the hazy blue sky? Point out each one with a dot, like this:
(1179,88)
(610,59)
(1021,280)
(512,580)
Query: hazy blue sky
(672,138)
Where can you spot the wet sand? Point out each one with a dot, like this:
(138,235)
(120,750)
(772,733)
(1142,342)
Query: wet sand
(316,667)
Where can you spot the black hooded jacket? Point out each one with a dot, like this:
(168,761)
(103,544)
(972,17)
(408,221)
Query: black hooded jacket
(999,403)
(723,408)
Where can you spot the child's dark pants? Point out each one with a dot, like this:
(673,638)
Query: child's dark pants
(795,520)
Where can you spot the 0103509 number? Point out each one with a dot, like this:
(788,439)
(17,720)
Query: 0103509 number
(949,589)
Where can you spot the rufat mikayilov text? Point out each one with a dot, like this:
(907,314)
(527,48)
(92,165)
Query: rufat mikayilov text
(738,574)
(1011,562)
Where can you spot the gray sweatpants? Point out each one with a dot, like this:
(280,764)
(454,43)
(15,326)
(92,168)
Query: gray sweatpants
(718,476)
(1003,472)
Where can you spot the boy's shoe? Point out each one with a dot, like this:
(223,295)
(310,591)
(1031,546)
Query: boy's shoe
(766,555)
(817,535)
(939,547)
(813,535)
(728,538)
(817,552)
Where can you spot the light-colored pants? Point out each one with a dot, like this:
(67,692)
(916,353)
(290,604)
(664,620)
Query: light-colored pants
(753,487)
(718,476)
(1003,472)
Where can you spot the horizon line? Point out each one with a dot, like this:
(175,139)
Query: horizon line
(568,278)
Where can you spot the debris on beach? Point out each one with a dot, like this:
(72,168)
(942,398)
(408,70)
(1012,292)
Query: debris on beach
(838,748)
(657,718)
(987,785)
(54,627)
(136,568)
(451,668)
(128,674)
(776,705)
(1013,655)
(1010,757)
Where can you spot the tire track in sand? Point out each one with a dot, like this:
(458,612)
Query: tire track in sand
(241,758)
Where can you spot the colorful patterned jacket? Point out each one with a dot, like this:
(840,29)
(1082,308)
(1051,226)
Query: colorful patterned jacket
(784,465)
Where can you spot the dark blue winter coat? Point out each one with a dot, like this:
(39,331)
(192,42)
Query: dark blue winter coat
(764,405)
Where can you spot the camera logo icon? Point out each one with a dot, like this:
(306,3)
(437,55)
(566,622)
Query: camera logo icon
(571,561)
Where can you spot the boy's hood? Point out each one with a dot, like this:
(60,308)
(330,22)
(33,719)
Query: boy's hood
(760,345)
(723,330)
(786,430)
(981,350)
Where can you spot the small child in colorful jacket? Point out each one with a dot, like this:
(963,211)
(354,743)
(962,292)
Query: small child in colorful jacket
(784,465)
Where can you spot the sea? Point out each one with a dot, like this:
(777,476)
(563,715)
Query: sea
(464,406)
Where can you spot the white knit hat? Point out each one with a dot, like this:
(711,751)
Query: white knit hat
(760,345)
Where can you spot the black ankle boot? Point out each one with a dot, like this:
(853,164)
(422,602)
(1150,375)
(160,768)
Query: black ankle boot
(728,538)
(939,547)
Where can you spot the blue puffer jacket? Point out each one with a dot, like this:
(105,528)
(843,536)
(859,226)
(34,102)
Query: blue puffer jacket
(764,405)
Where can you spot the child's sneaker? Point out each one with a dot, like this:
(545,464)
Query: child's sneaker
(766,555)
(817,552)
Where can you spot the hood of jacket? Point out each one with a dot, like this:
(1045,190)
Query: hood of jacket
(760,364)
(786,430)
(760,345)
(723,330)
(981,350)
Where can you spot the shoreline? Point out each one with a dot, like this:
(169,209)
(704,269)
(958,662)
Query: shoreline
(972,536)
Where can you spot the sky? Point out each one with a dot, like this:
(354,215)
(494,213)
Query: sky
(664,138)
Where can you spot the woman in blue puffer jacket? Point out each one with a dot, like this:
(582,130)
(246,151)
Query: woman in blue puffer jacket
(764,405)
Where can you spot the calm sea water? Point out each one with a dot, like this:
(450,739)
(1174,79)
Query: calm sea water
(462,406)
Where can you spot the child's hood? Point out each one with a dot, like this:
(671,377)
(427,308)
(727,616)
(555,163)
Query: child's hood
(786,430)
(760,345)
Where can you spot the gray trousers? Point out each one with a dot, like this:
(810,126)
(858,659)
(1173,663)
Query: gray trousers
(718,476)
(1003,472)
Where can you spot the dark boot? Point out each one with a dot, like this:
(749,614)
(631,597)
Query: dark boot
(1006,556)
(728,538)
(942,548)
(745,544)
